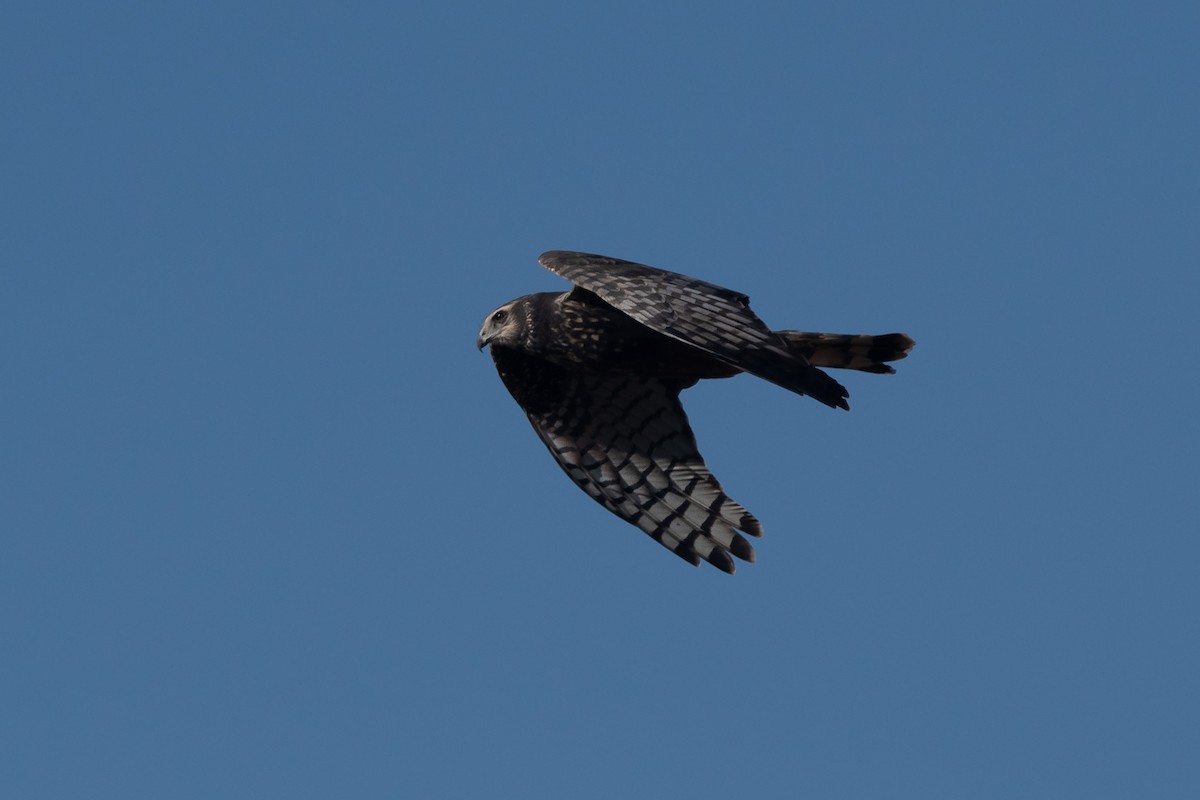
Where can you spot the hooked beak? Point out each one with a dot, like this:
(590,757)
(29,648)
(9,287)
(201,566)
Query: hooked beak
(481,341)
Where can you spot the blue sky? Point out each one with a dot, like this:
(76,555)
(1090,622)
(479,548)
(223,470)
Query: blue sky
(273,527)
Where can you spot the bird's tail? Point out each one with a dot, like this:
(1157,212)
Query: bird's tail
(848,351)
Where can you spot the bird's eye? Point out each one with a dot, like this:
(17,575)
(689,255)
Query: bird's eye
(499,316)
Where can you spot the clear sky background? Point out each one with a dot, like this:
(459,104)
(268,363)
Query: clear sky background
(271,526)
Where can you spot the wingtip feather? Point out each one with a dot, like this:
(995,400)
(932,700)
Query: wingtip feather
(742,548)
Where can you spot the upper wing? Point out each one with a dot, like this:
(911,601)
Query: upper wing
(626,442)
(714,319)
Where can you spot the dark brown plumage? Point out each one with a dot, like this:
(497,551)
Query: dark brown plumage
(598,371)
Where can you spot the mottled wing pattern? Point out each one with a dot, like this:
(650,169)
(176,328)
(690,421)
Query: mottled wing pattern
(626,441)
(709,317)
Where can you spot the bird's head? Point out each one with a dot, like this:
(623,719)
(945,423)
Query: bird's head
(502,326)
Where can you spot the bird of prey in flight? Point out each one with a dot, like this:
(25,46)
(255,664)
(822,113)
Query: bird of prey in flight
(598,371)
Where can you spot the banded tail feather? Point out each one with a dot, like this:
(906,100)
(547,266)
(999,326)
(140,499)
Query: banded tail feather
(861,352)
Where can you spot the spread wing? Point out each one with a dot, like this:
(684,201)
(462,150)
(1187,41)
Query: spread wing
(709,317)
(626,441)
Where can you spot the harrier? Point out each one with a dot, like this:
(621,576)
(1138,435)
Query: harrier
(598,371)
